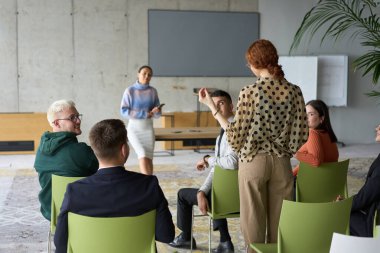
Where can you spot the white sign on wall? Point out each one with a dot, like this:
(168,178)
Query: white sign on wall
(302,71)
(324,77)
(333,79)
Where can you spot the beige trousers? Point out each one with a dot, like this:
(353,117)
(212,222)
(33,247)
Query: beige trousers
(263,184)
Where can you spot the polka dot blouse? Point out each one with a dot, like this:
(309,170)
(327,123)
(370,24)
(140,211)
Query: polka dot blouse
(270,119)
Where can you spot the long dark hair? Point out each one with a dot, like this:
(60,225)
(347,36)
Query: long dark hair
(323,111)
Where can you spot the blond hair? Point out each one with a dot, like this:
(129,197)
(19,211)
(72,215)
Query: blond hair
(58,106)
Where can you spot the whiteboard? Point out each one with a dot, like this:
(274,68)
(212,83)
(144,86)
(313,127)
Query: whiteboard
(333,79)
(302,71)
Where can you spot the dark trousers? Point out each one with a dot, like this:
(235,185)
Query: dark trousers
(187,197)
(359,225)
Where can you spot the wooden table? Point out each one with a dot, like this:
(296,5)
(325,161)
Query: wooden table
(186,134)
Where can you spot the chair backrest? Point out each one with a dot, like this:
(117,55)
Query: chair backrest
(58,189)
(353,244)
(112,234)
(225,193)
(308,227)
(323,183)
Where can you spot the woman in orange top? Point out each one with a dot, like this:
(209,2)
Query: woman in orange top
(321,145)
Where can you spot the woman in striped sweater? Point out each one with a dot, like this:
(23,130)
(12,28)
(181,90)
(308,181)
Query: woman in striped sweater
(140,104)
(321,145)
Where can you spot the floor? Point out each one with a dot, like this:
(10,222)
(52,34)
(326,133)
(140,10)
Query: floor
(23,230)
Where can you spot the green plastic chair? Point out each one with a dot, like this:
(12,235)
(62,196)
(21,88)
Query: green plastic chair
(58,189)
(323,183)
(112,234)
(308,227)
(225,201)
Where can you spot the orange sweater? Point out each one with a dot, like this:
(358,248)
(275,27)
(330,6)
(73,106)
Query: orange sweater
(318,149)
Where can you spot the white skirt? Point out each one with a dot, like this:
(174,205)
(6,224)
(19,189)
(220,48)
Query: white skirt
(141,137)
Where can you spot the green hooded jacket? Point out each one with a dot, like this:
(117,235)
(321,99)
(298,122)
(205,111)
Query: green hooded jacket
(60,153)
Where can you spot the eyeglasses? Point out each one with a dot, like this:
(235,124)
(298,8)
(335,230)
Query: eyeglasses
(73,117)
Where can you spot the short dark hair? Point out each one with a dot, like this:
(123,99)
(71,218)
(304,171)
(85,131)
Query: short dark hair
(106,138)
(145,67)
(323,111)
(221,93)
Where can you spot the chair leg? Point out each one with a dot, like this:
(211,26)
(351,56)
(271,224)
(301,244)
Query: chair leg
(49,242)
(191,231)
(209,235)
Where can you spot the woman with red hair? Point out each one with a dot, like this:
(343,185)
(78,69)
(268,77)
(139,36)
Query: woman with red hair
(268,128)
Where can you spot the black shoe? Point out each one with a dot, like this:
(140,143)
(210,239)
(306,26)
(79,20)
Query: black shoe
(224,247)
(180,242)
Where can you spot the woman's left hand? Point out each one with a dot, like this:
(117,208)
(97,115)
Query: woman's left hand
(156,110)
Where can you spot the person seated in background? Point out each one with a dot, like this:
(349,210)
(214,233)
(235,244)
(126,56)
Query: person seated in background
(187,197)
(113,191)
(59,151)
(321,144)
(367,201)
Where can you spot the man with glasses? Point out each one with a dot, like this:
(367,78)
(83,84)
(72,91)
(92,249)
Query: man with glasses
(60,153)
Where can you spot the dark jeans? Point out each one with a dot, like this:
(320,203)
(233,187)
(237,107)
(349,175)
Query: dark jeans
(187,197)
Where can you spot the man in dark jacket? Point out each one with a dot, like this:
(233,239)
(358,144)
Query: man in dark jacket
(367,201)
(60,153)
(114,191)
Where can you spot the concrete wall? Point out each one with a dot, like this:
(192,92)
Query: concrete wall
(89,51)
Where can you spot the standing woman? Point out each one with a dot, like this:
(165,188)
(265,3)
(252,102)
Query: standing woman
(321,145)
(268,128)
(139,105)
